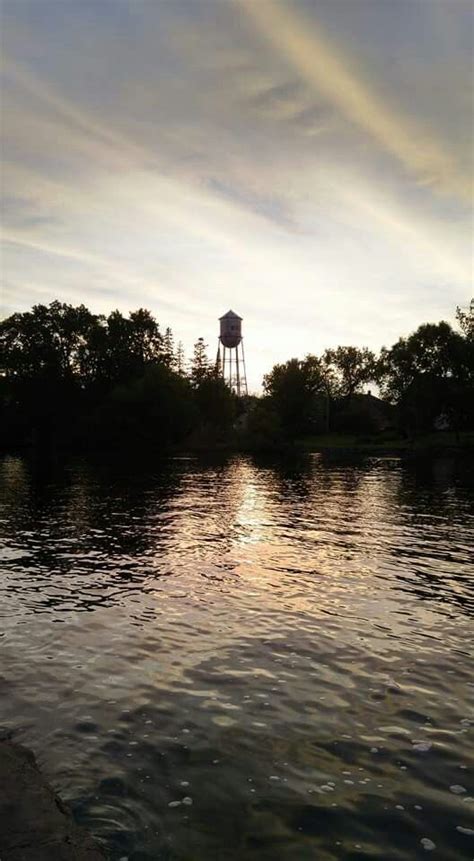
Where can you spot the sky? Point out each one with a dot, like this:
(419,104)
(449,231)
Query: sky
(307,163)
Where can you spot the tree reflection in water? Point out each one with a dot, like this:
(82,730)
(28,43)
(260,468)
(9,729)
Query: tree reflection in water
(287,643)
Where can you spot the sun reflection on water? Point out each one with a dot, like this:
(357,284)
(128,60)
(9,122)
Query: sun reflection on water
(240,626)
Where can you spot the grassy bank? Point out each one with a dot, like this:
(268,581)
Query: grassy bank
(234,443)
(440,441)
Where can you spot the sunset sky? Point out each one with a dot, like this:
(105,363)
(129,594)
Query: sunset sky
(308,164)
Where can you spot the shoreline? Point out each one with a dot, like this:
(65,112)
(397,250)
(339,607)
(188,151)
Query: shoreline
(331,444)
(35,824)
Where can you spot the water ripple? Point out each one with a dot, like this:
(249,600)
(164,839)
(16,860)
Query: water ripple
(242,659)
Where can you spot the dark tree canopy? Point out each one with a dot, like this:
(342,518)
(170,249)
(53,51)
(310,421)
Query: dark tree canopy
(350,368)
(466,320)
(295,389)
(169,353)
(201,366)
(434,349)
(71,377)
(429,374)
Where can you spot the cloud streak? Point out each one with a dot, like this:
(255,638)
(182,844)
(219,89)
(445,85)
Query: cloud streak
(321,66)
(203,158)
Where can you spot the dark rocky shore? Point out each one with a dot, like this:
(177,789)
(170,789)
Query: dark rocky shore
(35,825)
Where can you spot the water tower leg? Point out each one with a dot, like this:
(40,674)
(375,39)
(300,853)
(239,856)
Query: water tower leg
(244,375)
(237,370)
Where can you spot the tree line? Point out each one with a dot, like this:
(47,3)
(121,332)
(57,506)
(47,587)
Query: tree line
(424,382)
(71,377)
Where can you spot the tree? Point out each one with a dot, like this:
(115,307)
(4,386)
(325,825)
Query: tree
(146,342)
(216,402)
(116,364)
(350,368)
(180,360)
(429,373)
(296,389)
(46,363)
(59,361)
(264,430)
(155,409)
(201,366)
(466,320)
(434,349)
(131,345)
(47,341)
(69,375)
(169,356)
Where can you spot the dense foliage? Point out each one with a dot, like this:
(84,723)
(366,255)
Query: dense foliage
(76,378)
(70,377)
(425,381)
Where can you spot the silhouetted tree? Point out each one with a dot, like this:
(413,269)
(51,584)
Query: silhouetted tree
(59,362)
(132,344)
(430,373)
(264,431)
(296,389)
(169,356)
(72,376)
(46,364)
(466,320)
(201,366)
(156,409)
(180,360)
(215,401)
(351,368)
(434,350)
(47,341)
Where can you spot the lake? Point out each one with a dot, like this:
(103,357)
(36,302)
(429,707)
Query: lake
(245,659)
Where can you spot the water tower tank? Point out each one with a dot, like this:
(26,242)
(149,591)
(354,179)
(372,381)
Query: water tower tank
(231,329)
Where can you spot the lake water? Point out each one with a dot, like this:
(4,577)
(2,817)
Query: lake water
(246,660)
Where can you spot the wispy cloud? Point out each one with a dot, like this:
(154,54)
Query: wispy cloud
(321,65)
(108,140)
(193,157)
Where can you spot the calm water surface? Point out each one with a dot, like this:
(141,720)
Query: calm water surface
(246,660)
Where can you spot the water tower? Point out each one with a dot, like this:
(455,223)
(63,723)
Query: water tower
(232,361)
